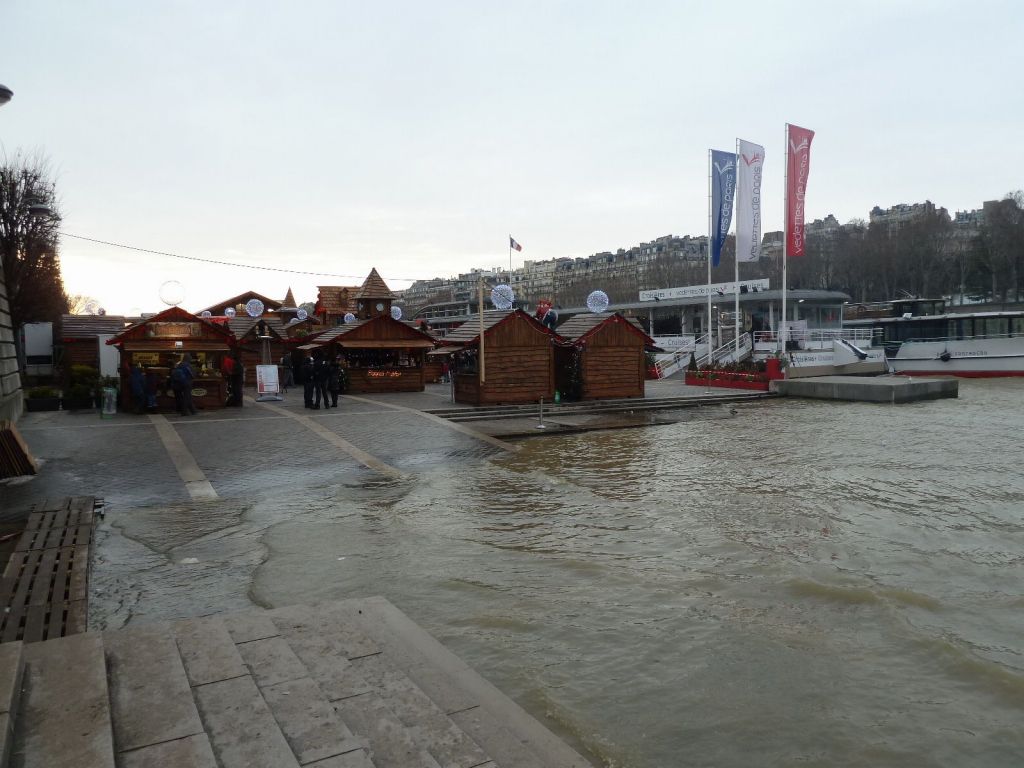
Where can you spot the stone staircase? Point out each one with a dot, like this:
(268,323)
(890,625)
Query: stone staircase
(349,684)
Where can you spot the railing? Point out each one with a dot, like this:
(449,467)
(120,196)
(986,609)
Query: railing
(817,335)
(679,358)
(727,350)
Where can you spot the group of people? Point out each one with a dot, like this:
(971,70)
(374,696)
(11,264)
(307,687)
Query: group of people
(321,380)
(146,385)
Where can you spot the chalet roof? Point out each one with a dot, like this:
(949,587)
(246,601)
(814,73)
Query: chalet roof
(243,326)
(587,323)
(289,300)
(469,331)
(90,326)
(242,298)
(172,314)
(374,287)
(336,298)
(338,333)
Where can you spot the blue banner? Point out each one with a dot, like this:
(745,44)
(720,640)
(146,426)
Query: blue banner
(723,189)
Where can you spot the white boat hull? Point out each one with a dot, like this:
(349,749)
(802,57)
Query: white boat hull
(963,357)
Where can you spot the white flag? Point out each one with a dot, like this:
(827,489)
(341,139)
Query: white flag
(748,201)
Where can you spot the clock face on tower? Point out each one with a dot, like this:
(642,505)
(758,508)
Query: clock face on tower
(380,307)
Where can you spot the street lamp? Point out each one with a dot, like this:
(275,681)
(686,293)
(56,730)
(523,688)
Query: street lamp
(5,94)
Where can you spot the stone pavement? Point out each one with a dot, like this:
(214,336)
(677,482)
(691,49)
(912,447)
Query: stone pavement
(348,684)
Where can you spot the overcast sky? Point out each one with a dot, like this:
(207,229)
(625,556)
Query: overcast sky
(415,137)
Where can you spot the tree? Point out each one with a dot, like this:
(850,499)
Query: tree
(29,236)
(80,304)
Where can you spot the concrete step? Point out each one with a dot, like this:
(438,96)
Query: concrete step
(383,708)
(501,728)
(12,671)
(64,717)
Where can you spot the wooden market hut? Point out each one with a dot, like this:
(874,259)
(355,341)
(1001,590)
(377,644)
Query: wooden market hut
(604,356)
(247,331)
(157,343)
(81,336)
(380,354)
(519,364)
(238,304)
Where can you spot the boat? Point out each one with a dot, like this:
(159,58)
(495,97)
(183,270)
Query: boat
(921,338)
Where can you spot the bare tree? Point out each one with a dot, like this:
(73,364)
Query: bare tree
(29,223)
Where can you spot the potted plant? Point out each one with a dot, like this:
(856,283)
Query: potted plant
(42,399)
(83,385)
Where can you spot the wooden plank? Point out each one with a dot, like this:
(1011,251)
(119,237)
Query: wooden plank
(149,693)
(66,711)
(35,624)
(77,617)
(78,581)
(41,589)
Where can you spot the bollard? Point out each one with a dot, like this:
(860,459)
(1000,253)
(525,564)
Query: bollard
(540,425)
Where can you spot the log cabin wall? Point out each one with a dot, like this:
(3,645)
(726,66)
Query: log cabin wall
(613,363)
(518,364)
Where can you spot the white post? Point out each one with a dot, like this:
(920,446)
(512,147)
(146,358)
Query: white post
(736,339)
(783,327)
(710,238)
(483,378)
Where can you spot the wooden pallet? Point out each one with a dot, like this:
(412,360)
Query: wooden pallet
(15,458)
(44,589)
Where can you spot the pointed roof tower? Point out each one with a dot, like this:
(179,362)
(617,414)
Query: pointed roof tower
(289,299)
(374,287)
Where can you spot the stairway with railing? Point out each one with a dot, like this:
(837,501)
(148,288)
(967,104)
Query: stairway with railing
(729,352)
(679,360)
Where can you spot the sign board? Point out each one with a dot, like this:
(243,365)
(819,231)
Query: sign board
(685,343)
(266,380)
(694,291)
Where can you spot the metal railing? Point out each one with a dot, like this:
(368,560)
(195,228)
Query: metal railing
(817,335)
(678,359)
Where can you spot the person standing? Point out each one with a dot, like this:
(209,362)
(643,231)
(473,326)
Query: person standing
(321,373)
(237,380)
(334,381)
(138,382)
(287,379)
(306,372)
(152,388)
(227,370)
(181,384)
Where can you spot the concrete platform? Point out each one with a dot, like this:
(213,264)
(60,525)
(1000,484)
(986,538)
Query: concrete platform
(353,683)
(876,389)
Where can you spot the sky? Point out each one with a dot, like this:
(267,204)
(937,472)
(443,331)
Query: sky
(334,137)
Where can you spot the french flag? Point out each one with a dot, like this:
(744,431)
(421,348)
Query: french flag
(513,244)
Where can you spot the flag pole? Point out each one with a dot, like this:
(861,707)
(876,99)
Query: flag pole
(784,325)
(483,378)
(736,286)
(510,259)
(710,246)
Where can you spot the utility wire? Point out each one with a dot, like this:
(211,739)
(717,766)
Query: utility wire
(228,263)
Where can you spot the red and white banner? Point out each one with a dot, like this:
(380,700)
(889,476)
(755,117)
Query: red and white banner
(798,166)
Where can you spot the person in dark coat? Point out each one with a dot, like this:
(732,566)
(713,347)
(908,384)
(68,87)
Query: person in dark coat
(306,374)
(321,374)
(138,382)
(152,389)
(334,381)
(181,384)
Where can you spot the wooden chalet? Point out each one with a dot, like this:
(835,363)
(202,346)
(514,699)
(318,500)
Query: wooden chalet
(519,364)
(81,336)
(157,344)
(604,357)
(238,303)
(379,353)
(247,332)
(333,302)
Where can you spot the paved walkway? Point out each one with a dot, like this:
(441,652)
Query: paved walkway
(132,460)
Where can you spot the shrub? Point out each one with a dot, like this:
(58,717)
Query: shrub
(41,392)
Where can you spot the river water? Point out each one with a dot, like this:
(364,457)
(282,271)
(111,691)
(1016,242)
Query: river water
(795,582)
